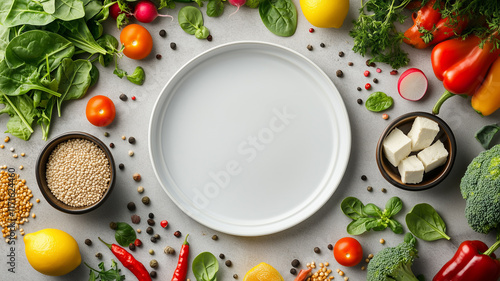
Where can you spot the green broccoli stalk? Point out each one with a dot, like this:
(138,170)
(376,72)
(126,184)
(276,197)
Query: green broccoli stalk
(394,263)
(480,187)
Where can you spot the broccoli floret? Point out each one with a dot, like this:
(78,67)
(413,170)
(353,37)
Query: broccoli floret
(394,263)
(480,187)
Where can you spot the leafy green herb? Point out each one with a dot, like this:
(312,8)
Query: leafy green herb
(191,21)
(425,223)
(485,134)
(376,35)
(124,234)
(252,3)
(75,80)
(370,217)
(378,101)
(106,275)
(137,77)
(205,267)
(279,16)
(215,8)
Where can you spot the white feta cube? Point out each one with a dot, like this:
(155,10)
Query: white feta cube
(433,156)
(422,133)
(411,170)
(396,146)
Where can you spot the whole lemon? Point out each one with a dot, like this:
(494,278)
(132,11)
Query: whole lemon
(325,13)
(52,251)
(263,272)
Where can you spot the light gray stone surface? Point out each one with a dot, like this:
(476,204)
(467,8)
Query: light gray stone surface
(324,227)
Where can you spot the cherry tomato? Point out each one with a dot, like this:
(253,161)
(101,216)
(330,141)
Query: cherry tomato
(100,111)
(348,252)
(137,41)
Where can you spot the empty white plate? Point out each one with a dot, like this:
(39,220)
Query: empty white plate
(249,138)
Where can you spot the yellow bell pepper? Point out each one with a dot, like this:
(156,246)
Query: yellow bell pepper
(486,99)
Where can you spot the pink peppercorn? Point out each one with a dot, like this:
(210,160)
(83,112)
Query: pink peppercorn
(385,116)
(163,223)
(366,73)
(368,86)
(133,97)
(394,72)
(379,70)
(311,30)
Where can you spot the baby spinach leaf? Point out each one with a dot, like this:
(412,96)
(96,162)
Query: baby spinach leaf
(361,225)
(79,34)
(68,10)
(215,8)
(169,4)
(75,80)
(124,234)
(372,210)
(279,16)
(353,208)
(6,34)
(378,101)
(22,112)
(190,19)
(138,76)
(18,81)
(252,3)
(36,47)
(425,223)
(393,206)
(486,134)
(92,8)
(205,267)
(21,12)
(202,33)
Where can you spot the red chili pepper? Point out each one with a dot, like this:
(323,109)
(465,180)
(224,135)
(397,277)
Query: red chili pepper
(128,260)
(182,265)
(472,261)
(303,273)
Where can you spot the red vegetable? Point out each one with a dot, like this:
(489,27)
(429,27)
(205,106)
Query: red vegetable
(128,260)
(145,11)
(303,273)
(182,265)
(472,261)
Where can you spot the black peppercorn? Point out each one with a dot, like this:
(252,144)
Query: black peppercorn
(98,255)
(88,242)
(158,56)
(363,177)
(293,271)
(384,190)
(163,33)
(317,250)
(113,225)
(121,166)
(358,88)
(153,239)
(340,73)
(369,188)
(222,256)
(177,234)
(330,247)
(112,145)
(310,47)
(151,222)
(157,236)
(151,215)
(131,140)
(209,38)
(173,46)
(131,206)
(295,263)
(341,54)
(235,276)
(375,80)
(359,101)
(146,200)
(215,237)
(131,246)
(152,274)
(322,45)
(350,63)
(123,97)
(228,263)
(149,230)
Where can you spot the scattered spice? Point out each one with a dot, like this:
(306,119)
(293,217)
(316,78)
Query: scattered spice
(37,200)
(151,215)
(145,200)
(139,230)
(138,242)
(368,86)
(235,276)
(106,134)
(370,256)
(14,155)
(164,223)
(123,97)
(366,73)
(209,38)
(379,70)
(363,177)
(149,230)
(382,241)
(228,263)
(293,271)
(2,146)
(322,45)
(133,98)
(153,274)
(163,33)
(121,166)
(350,63)
(358,88)
(340,73)
(131,140)
(369,188)
(317,250)
(130,153)
(385,116)
(158,56)
(222,256)
(136,176)
(295,263)
(311,30)
(151,252)
(6,139)
(153,239)
(173,46)
(88,242)
(330,247)
(368,63)
(113,225)
(341,54)
(23,154)
(394,72)
(363,268)
(384,190)
(169,250)
(177,234)
(310,47)
(140,189)
(215,237)
(153,263)
(359,101)
(151,222)
(131,206)
(157,236)
(98,255)
(375,80)
(131,246)
(112,145)
(135,219)
(124,137)
(21,167)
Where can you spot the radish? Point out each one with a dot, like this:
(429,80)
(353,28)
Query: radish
(146,11)
(412,84)
(115,10)
(237,3)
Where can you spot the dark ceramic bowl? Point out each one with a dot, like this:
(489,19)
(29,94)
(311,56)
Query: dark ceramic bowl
(41,172)
(432,178)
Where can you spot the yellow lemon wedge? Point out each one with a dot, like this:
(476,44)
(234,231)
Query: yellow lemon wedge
(325,13)
(52,251)
(263,272)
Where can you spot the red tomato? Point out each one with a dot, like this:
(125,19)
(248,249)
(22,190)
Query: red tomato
(348,252)
(100,111)
(137,41)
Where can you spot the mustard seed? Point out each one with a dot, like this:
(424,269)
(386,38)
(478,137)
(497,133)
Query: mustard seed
(153,263)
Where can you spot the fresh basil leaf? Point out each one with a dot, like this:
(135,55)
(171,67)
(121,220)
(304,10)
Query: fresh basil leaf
(124,234)
(372,210)
(378,101)
(205,267)
(190,19)
(279,16)
(138,76)
(202,33)
(353,208)
(393,206)
(425,223)
(215,8)
(360,226)
(486,134)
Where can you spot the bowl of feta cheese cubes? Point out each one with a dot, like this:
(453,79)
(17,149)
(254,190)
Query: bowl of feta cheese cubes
(416,151)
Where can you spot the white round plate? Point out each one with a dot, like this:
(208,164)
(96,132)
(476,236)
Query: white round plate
(249,138)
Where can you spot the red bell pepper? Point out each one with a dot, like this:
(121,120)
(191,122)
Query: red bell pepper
(472,261)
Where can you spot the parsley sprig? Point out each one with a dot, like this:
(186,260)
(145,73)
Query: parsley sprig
(112,274)
(376,35)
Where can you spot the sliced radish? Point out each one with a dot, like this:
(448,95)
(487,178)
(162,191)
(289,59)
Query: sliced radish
(412,84)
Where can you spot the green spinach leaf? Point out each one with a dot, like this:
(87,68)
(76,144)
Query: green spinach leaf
(21,12)
(205,267)
(138,76)
(252,3)
(92,8)
(378,101)
(361,225)
(190,19)
(75,80)
(68,10)
(393,206)
(22,114)
(485,134)
(279,16)
(353,208)
(124,234)
(79,34)
(18,81)
(215,8)
(6,34)
(169,4)
(36,47)
(425,223)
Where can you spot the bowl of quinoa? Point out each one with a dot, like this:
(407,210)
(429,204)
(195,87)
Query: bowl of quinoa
(75,172)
